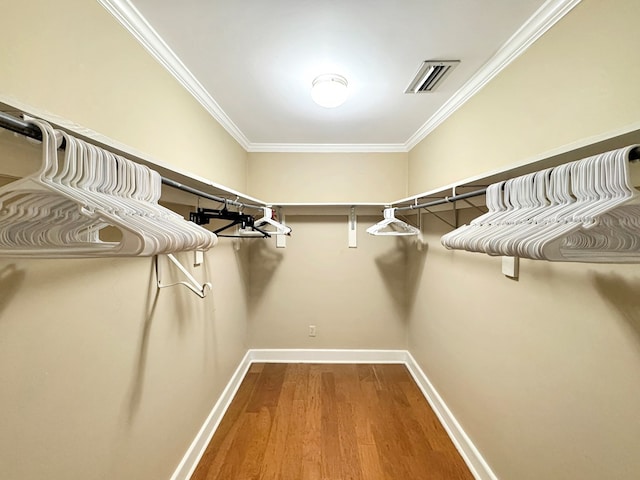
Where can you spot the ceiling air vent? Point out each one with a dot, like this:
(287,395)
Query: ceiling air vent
(430,74)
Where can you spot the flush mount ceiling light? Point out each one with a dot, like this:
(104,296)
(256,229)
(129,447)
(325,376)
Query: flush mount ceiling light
(329,90)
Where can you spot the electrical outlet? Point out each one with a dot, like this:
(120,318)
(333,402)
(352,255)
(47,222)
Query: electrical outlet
(312,330)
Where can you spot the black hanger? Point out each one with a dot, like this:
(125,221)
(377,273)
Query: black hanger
(202,216)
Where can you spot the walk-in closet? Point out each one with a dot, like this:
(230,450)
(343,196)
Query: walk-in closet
(206,275)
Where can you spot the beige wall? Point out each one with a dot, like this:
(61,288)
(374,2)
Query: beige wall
(356,297)
(577,81)
(73,59)
(103,376)
(328,177)
(543,373)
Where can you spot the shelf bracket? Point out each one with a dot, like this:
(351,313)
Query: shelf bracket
(192,284)
(439,217)
(474,206)
(353,230)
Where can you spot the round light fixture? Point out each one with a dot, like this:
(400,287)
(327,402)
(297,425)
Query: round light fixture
(329,90)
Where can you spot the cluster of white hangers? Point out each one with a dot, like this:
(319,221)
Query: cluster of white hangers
(584,211)
(392,226)
(59,211)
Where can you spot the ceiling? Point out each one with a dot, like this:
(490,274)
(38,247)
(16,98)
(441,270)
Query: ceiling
(251,62)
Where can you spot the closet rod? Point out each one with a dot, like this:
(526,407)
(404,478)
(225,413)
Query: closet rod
(634,155)
(17,125)
(442,201)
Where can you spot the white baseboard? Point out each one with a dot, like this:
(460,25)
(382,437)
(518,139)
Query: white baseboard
(190,460)
(327,356)
(472,457)
(478,466)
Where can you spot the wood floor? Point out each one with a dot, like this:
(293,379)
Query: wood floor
(330,422)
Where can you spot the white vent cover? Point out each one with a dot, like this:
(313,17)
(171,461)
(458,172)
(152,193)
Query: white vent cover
(430,74)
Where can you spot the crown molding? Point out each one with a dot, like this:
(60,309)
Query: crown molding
(327,148)
(138,26)
(539,23)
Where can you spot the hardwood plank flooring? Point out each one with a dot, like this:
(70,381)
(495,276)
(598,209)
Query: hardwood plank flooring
(330,422)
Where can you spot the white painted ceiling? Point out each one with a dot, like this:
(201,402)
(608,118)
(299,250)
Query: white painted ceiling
(257,59)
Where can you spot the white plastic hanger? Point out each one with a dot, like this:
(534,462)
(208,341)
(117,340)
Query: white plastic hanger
(59,211)
(268,224)
(391,226)
(609,233)
(585,211)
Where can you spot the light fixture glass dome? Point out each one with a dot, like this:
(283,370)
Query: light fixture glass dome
(329,90)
